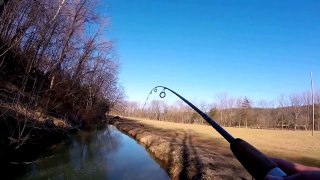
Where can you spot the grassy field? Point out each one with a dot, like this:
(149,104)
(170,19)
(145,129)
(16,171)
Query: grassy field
(298,146)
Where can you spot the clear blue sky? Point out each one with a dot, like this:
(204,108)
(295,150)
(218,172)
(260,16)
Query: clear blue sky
(201,48)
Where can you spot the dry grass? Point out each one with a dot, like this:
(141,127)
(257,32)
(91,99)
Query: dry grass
(298,146)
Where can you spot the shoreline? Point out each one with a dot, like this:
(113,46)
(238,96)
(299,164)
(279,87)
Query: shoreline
(181,154)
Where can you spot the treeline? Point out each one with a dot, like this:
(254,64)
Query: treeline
(54,53)
(287,112)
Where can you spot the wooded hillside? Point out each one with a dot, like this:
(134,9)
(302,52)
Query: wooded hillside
(55,61)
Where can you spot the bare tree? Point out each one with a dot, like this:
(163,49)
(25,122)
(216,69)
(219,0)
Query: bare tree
(296,103)
(282,105)
(222,102)
(205,107)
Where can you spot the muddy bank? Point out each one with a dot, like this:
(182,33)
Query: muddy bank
(25,132)
(184,155)
(23,140)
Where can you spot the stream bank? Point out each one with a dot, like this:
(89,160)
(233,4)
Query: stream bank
(183,155)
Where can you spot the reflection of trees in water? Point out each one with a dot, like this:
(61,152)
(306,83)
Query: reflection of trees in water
(86,155)
(96,145)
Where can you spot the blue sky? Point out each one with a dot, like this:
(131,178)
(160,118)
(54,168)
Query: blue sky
(202,48)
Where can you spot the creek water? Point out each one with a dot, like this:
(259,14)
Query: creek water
(97,154)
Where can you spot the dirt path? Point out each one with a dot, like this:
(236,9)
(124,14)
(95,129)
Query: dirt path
(184,154)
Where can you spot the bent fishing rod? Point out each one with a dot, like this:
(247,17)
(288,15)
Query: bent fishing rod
(254,161)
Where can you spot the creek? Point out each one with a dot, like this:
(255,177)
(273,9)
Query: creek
(96,154)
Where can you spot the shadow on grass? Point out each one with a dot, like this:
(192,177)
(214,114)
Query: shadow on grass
(189,162)
(195,162)
(309,161)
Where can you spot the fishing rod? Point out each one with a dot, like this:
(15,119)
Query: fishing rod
(254,161)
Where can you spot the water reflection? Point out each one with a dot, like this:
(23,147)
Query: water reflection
(98,154)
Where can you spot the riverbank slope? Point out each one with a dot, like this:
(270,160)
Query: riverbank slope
(183,154)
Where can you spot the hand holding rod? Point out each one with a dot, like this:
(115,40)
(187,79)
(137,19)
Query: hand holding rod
(254,161)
